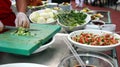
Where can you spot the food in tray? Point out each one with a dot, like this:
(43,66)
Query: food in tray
(98,15)
(35,2)
(43,16)
(95,16)
(87,10)
(57,8)
(64,4)
(95,40)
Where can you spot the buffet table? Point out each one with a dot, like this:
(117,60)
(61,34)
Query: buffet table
(53,55)
(50,57)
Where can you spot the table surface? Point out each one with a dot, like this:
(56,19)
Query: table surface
(50,57)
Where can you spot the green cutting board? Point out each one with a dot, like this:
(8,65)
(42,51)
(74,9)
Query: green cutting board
(25,45)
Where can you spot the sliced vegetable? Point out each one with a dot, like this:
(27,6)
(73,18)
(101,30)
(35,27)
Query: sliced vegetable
(72,18)
(96,40)
(23,32)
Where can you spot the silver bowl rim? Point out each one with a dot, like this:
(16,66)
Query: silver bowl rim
(100,55)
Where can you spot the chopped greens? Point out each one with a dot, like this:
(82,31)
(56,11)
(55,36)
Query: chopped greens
(72,18)
(22,32)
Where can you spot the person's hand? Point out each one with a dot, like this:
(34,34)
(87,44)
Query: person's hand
(1,26)
(22,20)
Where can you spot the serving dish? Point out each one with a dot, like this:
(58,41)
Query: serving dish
(44,16)
(68,24)
(23,65)
(36,5)
(45,46)
(93,59)
(87,10)
(98,44)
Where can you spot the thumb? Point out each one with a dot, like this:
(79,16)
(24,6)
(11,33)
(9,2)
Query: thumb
(1,26)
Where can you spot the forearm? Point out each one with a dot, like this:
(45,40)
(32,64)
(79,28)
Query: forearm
(21,5)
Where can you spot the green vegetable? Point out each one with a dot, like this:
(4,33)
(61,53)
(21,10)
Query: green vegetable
(22,32)
(71,18)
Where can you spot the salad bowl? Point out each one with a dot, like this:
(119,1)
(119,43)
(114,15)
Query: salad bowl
(72,23)
(94,40)
(44,16)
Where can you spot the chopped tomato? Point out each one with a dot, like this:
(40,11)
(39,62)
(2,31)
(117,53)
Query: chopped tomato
(93,39)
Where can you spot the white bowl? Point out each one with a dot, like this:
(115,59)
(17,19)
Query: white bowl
(43,16)
(45,46)
(71,28)
(23,65)
(86,47)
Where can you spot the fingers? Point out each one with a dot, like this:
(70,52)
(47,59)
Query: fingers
(25,24)
(16,23)
(22,20)
(1,26)
(22,23)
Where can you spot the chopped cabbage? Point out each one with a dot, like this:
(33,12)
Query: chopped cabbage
(34,16)
(51,14)
(45,15)
(49,20)
(41,20)
(48,10)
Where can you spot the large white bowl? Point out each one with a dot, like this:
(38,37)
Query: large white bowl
(22,65)
(86,47)
(39,13)
(45,46)
(79,27)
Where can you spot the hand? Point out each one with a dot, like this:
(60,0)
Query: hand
(1,26)
(22,20)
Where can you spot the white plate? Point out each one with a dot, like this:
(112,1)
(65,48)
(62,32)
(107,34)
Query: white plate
(22,65)
(45,46)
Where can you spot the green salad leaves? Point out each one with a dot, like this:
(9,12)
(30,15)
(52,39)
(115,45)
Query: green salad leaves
(72,18)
